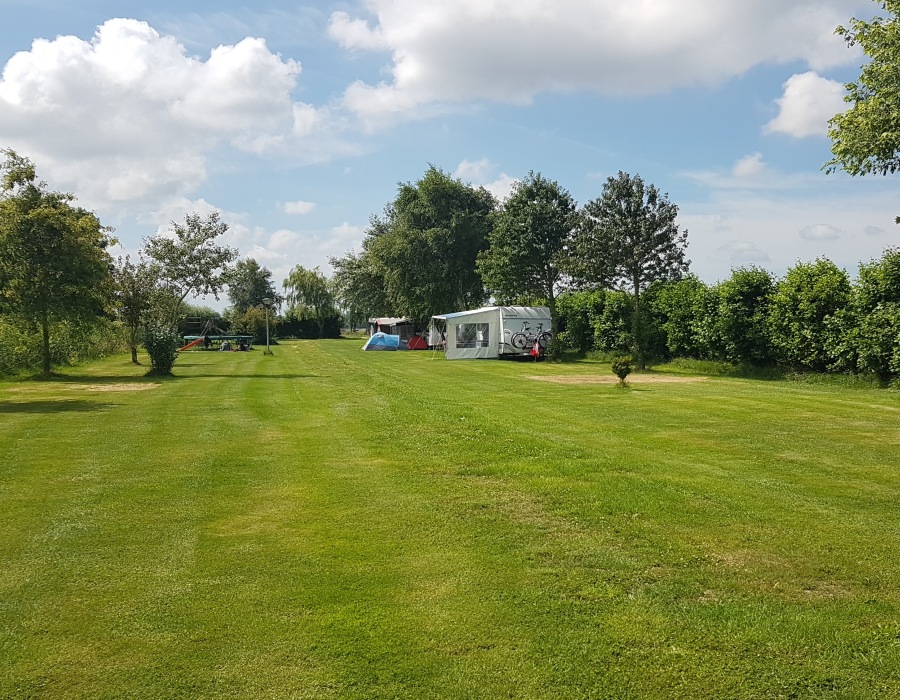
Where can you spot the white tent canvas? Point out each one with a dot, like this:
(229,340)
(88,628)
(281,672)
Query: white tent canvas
(488,332)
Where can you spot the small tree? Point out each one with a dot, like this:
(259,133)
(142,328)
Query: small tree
(621,367)
(134,285)
(189,261)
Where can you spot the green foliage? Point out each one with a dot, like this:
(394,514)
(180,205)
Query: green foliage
(419,258)
(248,285)
(134,289)
(622,367)
(578,312)
(743,323)
(253,322)
(71,341)
(801,308)
(162,343)
(866,138)
(688,313)
(189,261)
(310,294)
(529,243)
(53,259)
(628,237)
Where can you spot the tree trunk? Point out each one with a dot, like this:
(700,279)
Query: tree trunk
(134,359)
(45,345)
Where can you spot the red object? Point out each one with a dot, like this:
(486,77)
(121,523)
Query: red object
(191,344)
(536,350)
(417,342)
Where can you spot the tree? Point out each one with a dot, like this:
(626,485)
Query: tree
(134,289)
(189,261)
(359,284)
(248,285)
(310,292)
(529,243)
(628,237)
(53,258)
(802,307)
(866,138)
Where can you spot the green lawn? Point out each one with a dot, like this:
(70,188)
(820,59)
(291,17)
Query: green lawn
(328,523)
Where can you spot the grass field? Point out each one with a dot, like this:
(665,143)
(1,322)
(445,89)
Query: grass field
(328,523)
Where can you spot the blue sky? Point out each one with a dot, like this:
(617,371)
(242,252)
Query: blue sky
(298,121)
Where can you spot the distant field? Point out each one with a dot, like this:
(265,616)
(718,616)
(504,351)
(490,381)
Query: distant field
(328,523)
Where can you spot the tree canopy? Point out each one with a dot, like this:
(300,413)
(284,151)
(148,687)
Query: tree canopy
(135,285)
(53,258)
(248,285)
(628,237)
(418,259)
(866,138)
(189,261)
(529,243)
(309,292)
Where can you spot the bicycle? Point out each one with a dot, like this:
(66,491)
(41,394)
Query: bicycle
(524,339)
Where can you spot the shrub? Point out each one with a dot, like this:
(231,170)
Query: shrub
(162,344)
(621,367)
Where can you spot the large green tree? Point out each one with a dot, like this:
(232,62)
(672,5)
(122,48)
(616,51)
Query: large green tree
(529,243)
(628,238)
(54,262)
(866,138)
(248,284)
(418,259)
(189,261)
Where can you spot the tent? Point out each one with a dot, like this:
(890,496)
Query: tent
(394,325)
(494,331)
(384,341)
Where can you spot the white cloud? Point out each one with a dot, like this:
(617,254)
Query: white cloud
(129,116)
(749,166)
(511,50)
(299,207)
(809,101)
(480,172)
(874,231)
(345,230)
(744,252)
(820,232)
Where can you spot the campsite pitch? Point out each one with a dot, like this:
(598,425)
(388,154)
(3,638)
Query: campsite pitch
(331,523)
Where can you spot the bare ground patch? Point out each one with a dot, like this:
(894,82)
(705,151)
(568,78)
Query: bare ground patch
(118,387)
(612,379)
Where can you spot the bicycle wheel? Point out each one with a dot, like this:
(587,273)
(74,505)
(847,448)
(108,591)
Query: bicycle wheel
(519,340)
(544,339)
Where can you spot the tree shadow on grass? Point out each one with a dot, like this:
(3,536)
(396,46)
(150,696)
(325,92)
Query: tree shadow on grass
(201,375)
(62,406)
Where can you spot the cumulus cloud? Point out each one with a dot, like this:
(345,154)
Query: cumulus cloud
(129,115)
(820,232)
(481,174)
(510,51)
(749,166)
(809,101)
(299,207)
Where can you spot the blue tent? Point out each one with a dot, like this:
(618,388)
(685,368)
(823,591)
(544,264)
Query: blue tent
(384,341)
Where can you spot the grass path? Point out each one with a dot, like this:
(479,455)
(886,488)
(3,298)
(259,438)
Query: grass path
(327,523)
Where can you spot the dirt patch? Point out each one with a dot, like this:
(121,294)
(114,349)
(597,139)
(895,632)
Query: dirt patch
(612,379)
(133,386)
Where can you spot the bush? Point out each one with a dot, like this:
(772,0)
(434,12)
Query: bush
(621,367)
(162,343)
